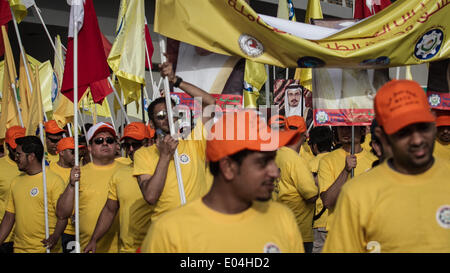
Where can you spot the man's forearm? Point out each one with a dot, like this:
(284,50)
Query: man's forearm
(65,204)
(329,197)
(105,219)
(6,225)
(152,188)
(60,227)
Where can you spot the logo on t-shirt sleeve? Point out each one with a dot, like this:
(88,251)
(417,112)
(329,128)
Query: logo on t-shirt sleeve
(34,191)
(443,216)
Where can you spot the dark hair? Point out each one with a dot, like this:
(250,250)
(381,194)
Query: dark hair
(151,107)
(238,157)
(322,137)
(336,137)
(31,145)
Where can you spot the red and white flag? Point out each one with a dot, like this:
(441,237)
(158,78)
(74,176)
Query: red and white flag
(150,49)
(93,70)
(366,8)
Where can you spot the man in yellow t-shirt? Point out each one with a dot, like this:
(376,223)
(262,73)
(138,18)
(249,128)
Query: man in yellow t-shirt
(335,168)
(320,141)
(296,187)
(125,198)
(8,170)
(53,134)
(94,179)
(154,166)
(401,205)
(25,206)
(66,154)
(442,145)
(235,215)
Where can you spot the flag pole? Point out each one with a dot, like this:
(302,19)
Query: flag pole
(48,34)
(352,174)
(267,86)
(13,86)
(21,50)
(118,99)
(44,180)
(75,121)
(143,103)
(171,124)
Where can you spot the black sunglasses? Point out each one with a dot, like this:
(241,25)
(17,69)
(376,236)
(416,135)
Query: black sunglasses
(161,115)
(135,145)
(101,140)
(54,140)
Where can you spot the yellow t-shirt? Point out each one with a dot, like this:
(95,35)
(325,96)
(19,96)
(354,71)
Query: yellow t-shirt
(305,152)
(295,185)
(442,150)
(26,201)
(209,179)
(195,228)
(51,158)
(64,173)
(94,181)
(134,211)
(314,168)
(386,211)
(124,160)
(331,165)
(366,144)
(8,170)
(191,154)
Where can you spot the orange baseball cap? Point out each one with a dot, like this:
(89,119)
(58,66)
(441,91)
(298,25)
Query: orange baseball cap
(298,122)
(135,130)
(442,118)
(14,133)
(240,130)
(66,143)
(400,103)
(51,127)
(277,119)
(151,131)
(100,127)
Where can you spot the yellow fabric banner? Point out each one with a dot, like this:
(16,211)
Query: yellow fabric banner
(36,113)
(25,90)
(254,78)
(127,56)
(405,33)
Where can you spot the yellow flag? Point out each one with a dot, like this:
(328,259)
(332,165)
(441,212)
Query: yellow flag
(25,90)
(36,114)
(304,75)
(10,113)
(62,106)
(89,107)
(405,33)
(254,78)
(20,7)
(127,55)
(46,81)
(286,10)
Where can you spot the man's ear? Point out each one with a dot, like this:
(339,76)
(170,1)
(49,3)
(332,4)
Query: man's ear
(228,168)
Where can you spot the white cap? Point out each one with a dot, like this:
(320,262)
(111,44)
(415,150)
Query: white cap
(99,127)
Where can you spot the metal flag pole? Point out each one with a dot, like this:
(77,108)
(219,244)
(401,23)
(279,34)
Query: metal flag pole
(171,124)
(44,180)
(120,102)
(352,174)
(75,121)
(267,86)
(143,103)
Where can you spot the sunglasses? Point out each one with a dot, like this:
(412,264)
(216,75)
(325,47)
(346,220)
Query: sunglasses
(161,115)
(53,140)
(135,145)
(101,140)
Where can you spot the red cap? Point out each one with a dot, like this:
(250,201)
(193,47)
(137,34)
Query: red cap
(400,103)
(240,130)
(66,143)
(14,133)
(442,118)
(298,122)
(51,127)
(135,130)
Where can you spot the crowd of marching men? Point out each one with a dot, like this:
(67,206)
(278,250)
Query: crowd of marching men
(248,184)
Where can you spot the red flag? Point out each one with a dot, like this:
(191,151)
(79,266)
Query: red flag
(150,49)
(93,70)
(5,17)
(366,8)
(106,45)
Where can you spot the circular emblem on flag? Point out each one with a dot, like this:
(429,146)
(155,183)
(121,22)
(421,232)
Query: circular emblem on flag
(429,44)
(321,117)
(184,159)
(54,87)
(434,100)
(34,192)
(310,62)
(250,46)
(271,248)
(443,216)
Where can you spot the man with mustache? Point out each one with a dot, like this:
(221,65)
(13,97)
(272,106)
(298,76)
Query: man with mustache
(402,205)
